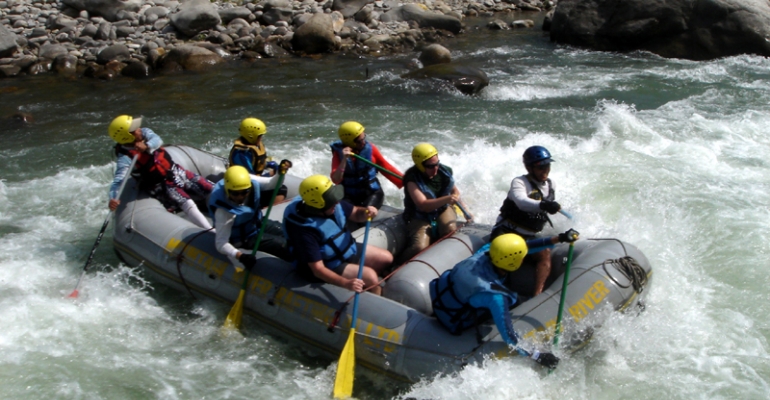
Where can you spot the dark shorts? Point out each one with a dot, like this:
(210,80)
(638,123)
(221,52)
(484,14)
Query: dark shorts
(181,186)
(366,198)
(266,195)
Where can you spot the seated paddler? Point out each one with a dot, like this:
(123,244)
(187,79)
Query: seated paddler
(234,206)
(355,163)
(323,248)
(474,290)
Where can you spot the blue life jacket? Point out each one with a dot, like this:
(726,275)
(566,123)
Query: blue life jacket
(359,178)
(451,292)
(337,244)
(410,208)
(248,216)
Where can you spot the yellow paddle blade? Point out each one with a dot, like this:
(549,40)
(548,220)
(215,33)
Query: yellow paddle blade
(233,320)
(458,211)
(343,382)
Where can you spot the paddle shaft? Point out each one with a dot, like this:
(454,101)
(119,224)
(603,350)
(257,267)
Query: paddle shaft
(563,294)
(360,271)
(278,185)
(566,214)
(387,171)
(104,228)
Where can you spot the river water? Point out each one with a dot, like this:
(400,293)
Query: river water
(670,155)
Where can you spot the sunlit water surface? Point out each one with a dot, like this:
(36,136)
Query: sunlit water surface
(669,155)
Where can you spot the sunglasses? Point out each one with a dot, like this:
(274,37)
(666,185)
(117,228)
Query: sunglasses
(430,166)
(542,167)
(239,193)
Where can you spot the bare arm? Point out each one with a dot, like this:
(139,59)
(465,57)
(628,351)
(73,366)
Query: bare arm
(325,274)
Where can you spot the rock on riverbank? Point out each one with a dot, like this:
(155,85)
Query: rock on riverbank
(104,38)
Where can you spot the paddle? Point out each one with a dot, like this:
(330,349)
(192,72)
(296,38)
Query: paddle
(566,214)
(233,320)
(75,292)
(466,214)
(563,294)
(343,382)
(377,166)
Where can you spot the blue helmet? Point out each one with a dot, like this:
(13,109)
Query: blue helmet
(537,155)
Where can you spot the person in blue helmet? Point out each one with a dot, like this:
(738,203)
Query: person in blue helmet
(362,188)
(234,206)
(474,290)
(526,207)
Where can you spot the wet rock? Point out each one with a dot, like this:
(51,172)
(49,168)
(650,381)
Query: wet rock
(498,25)
(435,54)
(348,8)
(522,24)
(229,14)
(66,64)
(40,67)
(137,70)
(189,58)
(466,79)
(277,10)
(9,70)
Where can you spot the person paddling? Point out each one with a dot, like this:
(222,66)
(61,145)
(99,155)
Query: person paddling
(249,152)
(362,188)
(526,207)
(234,207)
(324,249)
(474,289)
(429,194)
(157,172)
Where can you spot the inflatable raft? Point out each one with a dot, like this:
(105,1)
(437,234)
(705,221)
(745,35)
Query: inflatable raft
(396,334)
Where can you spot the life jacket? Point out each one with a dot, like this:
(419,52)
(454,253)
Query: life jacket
(534,222)
(258,154)
(450,293)
(359,178)
(410,208)
(337,244)
(150,168)
(248,216)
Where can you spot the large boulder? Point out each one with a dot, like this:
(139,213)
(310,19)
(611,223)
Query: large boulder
(466,79)
(691,29)
(188,58)
(7,42)
(348,8)
(316,35)
(425,19)
(435,54)
(194,16)
(108,9)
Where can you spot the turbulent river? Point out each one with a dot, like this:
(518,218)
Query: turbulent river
(670,155)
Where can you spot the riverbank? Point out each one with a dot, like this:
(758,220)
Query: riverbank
(137,38)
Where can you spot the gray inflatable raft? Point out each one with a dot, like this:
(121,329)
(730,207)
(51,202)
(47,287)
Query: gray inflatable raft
(395,333)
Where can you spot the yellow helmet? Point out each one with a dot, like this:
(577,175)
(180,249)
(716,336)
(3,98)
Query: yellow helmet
(349,131)
(421,153)
(121,127)
(319,192)
(237,178)
(251,129)
(508,251)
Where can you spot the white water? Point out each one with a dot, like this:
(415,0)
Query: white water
(667,155)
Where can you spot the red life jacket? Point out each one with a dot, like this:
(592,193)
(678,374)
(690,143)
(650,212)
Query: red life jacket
(151,168)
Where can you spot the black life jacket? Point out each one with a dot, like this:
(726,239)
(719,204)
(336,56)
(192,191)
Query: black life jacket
(534,222)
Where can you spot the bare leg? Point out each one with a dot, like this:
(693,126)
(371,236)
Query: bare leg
(543,270)
(419,239)
(369,277)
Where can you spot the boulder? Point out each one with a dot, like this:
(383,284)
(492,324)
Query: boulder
(277,10)
(194,16)
(136,70)
(229,14)
(466,79)
(7,42)
(691,29)
(51,51)
(435,54)
(116,52)
(348,8)
(108,9)
(424,19)
(66,64)
(189,58)
(315,36)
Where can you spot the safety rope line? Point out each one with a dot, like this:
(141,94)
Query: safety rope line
(630,268)
(180,257)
